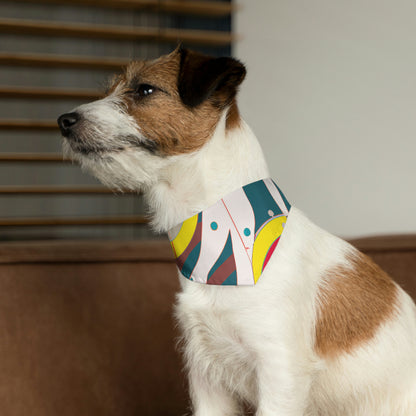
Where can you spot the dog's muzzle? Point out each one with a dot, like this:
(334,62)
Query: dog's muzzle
(67,123)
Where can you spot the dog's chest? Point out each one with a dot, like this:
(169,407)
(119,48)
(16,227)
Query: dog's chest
(215,341)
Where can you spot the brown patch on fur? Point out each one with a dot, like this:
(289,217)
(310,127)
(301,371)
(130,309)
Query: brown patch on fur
(162,117)
(233,117)
(354,302)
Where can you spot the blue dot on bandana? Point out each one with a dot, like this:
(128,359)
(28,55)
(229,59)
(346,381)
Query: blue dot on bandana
(214,225)
(247,232)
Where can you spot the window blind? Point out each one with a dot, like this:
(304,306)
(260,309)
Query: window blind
(56,55)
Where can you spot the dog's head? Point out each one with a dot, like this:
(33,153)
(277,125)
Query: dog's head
(154,111)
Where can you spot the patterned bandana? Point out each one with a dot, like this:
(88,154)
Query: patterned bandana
(231,242)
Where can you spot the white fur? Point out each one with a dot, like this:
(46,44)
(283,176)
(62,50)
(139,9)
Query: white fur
(257,343)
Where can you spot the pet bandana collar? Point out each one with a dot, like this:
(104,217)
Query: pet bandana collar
(231,242)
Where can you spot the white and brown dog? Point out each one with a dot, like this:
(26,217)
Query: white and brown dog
(324,331)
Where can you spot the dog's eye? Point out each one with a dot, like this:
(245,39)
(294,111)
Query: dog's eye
(143,90)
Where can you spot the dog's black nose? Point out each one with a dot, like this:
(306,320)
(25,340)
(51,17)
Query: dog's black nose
(67,121)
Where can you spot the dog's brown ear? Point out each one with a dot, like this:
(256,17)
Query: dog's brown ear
(202,77)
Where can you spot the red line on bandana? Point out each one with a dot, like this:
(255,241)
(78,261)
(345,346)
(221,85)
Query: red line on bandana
(269,253)
(242,242)
(235,226)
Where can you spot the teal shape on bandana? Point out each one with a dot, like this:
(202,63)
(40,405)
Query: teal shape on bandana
(288,206)
(225,254)
(262,202)
(231,280)
(190,262)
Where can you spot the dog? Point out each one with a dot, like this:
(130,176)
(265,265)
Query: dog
(320,330)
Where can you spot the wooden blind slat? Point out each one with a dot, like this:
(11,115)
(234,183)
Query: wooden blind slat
(56,61)
(28,125)
(61,29)
(202,8)
(48,93)
(67,221)
(31,157)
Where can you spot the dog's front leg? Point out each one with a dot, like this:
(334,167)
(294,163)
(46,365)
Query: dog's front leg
(209,399)
(283,386)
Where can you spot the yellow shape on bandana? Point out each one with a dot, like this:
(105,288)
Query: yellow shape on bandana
(266,236)
(184,236)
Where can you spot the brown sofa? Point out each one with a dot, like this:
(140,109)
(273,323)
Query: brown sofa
(86,328)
